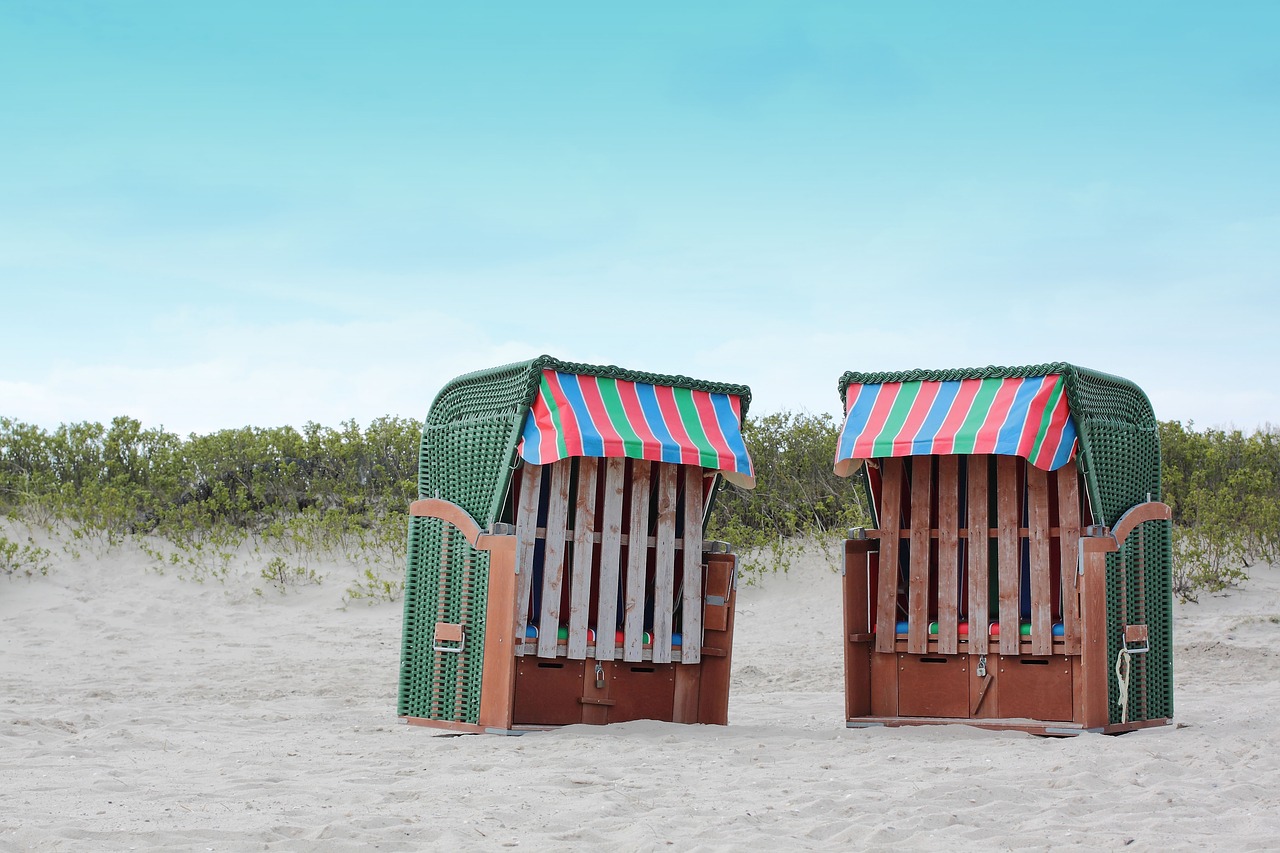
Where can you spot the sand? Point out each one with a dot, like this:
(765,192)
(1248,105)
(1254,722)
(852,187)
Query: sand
(145,712)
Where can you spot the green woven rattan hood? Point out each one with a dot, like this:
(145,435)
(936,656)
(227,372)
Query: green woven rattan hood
(469,439)
(1119,436)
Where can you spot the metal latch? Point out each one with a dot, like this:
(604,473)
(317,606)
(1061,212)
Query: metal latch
(1136,634)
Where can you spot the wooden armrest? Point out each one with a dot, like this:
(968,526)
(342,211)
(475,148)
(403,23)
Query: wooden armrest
(458,517)
(1149,511)
(1111,540)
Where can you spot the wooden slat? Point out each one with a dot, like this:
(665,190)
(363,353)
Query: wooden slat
(1038,539)
(526,540)
(948,555)
(553,558)
(610,558)
(664,562)
(1069,550)
(637,554)
(691,604)
(890,512)
(1007,551)
(584,525)
(918,589)
(979,553)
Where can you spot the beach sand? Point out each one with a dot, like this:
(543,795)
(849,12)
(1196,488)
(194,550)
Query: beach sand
(140,711)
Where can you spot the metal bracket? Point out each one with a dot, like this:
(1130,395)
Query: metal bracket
(1136,634)
(450,633)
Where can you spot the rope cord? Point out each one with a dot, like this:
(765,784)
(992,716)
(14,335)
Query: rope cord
(1124,662)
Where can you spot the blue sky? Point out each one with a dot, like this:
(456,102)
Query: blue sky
(244,213)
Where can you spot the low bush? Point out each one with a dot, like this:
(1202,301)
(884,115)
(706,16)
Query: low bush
(195,504)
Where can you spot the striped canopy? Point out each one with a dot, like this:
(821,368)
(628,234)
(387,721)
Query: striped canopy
(1023,416)
(577,415)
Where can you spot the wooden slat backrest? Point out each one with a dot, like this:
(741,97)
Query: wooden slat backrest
(584,529)
(918,583)
(1008,563)
(610,558)
(637,558)
(1032,509)
(583,503)
(1038,549)
(978,470)
(553,558)
(948,554)
(526,542)
(1068,485)
(890,545)
(664,564)
(691,567)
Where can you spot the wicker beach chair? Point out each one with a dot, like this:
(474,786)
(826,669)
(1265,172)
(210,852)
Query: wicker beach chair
(557,570)
(1019,575)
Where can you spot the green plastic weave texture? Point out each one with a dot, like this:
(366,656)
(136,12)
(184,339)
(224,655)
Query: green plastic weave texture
(446,582)
(1119,459)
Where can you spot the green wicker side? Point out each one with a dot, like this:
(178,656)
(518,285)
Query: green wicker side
(446,582)
(1119,460)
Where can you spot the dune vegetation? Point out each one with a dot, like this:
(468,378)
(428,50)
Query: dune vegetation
(291,499)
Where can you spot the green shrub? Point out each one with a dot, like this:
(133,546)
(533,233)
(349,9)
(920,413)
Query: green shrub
(797,499)
(1224,489)
(25,560)
(195,503)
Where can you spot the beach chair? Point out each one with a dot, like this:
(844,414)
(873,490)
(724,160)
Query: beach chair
(1019,573)
(557,570)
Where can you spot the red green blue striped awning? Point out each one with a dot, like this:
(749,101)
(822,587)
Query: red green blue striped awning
(578,415)
(1023,416)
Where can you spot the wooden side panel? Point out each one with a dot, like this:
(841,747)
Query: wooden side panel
(553,558)
(890,545)
(526,540)
(717,662)
(1038,536)
(1069,549)
(664,566)
(610,558)
(687,692)
(1007,555)
(979,545)
(497,692)
(637,558)
(857,627)
(948,555)
(584,528)
(884,685)
(691,561)
(918,589)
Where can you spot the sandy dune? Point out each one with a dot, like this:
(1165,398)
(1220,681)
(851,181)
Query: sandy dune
(144,712)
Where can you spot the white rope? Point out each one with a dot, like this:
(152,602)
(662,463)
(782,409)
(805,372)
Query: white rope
(1123,662)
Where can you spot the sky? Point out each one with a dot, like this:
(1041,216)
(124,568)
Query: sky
(216,215)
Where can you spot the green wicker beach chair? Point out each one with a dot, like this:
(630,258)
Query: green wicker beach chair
(557,570)
(1019,575)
